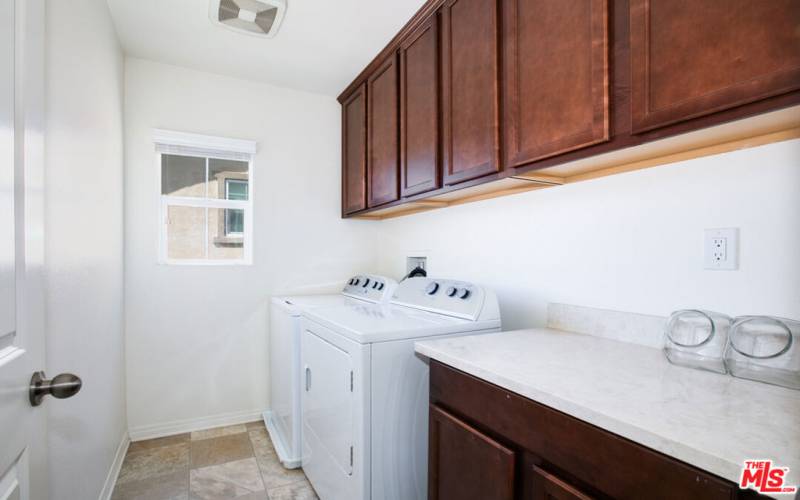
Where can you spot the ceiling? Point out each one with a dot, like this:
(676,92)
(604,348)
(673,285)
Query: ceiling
(321,46)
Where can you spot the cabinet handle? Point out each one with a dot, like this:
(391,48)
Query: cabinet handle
(308,378)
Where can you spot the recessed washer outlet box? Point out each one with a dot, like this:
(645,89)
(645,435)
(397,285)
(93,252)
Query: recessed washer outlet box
(415,262)
(260,18)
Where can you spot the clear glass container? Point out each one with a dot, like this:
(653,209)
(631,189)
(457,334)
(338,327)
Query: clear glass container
(764,348)
(697,339)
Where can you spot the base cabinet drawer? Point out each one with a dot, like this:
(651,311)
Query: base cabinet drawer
(547,486)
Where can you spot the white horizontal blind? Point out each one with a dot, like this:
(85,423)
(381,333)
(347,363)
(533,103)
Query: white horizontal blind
(171,149)
(211,142)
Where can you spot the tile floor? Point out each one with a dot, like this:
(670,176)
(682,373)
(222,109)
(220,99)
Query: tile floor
(234,462)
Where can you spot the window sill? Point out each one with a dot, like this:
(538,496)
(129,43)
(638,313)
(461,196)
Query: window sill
(201,262)
(229,240)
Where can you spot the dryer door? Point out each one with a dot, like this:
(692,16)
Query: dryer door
(327,406)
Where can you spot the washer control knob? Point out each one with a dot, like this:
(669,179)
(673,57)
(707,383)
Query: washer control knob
(380,286)
(432,288)
(366,282)
(375,285)
(451,291)
(463,293)
(355,281)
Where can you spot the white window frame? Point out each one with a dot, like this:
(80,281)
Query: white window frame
(208,147)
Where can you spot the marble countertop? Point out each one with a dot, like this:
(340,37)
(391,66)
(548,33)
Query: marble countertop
(709,420)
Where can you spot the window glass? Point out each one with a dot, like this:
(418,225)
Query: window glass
(186,228)
(183,176)
(225,233)
(235,189)
(222,173)
(234,222)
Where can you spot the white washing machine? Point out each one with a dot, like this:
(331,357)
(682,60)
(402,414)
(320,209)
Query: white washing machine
(365,391)
(283,421)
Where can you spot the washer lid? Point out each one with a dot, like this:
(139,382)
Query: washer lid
(295,304)
(366,323)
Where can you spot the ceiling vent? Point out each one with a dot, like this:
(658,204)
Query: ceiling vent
(253,17)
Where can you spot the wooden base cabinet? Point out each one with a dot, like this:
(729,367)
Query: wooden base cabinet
(490,444)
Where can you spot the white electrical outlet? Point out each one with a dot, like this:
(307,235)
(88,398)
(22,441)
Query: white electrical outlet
(722,249)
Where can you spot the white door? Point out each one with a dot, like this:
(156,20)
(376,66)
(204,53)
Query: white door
(23,473)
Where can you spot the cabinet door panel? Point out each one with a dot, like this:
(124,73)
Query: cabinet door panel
(354,152)
(419,110)
(548,487)
(692,57)
(470,89)
(465,464)
(382,128)
(556,77)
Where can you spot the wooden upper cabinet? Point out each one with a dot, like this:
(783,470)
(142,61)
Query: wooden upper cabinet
(419,110)
(470,71)
(465,464)
(354,151)
(555,74)
(693,57)
(383,159)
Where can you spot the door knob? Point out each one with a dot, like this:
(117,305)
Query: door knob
(62,386)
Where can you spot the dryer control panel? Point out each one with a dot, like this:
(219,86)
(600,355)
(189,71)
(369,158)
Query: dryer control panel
(370,287)
(460,299)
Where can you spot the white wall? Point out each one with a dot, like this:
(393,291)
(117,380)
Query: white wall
(197,336)
(631,242)
(84,250)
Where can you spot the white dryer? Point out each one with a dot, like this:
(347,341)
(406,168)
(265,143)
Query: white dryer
(283,420)
(365,391)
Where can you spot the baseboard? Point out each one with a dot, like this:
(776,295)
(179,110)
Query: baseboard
(193,424)
(113,472)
